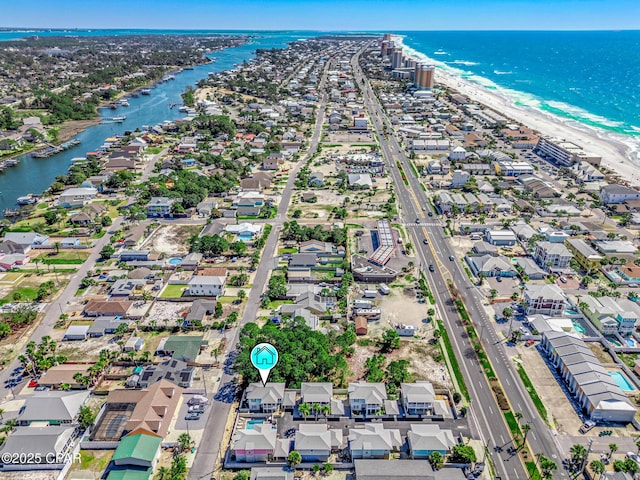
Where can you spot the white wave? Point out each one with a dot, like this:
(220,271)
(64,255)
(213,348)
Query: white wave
(441,52)
(498,72)
(583,114)
(464,62)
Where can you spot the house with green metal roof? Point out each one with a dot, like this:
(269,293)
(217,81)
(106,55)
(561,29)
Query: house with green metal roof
(181,347)
(130,474)
(138,450)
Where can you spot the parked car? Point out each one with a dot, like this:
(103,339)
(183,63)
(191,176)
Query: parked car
(451,258)
(193,416)
(199,408)
(586,426)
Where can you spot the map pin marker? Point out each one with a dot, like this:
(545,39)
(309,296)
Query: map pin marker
(264,357)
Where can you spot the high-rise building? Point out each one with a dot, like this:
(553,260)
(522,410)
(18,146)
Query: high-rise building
(387,37)
(424,75)
(396,58)
(383,48)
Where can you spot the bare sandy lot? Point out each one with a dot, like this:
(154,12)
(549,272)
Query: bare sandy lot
(172,239)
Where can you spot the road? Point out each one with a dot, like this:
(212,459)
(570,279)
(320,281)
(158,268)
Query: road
(489,420)
(211,444)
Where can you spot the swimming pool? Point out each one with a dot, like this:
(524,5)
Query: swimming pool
(245,236)
(613,276)
(614,342)
(630,341)
(571,311)
(621,379)
(577,326)
(175,261)
(252,423)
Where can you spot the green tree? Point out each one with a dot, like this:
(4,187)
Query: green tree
(86,417)
(51,217)
(217,312)
(327,468)
(294,458)
(507,313)
(185,442)
(613,448)
(5,330)
(242,294)
(390,341)
(436,459)
(597,467)
(106,252)
(547,466)
(239,248)
(304,409)
(463,454)
(578,455)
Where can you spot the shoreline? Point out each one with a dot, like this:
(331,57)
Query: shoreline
(616,155)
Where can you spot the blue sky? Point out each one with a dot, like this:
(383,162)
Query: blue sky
(325,14)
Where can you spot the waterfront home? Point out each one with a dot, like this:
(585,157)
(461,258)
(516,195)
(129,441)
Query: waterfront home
(616,194)
(611,315)
(264,399)
(81,219)
(425,439)
(373,441)
(316,442)
(76,197)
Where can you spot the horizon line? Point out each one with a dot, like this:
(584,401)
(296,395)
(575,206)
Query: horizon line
(349,31)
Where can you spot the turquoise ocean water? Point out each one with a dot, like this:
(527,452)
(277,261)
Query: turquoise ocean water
(588,79)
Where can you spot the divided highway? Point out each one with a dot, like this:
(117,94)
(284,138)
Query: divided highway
(489,421)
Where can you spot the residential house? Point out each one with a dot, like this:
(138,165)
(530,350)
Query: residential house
(359,180)
(206,207)
(160,207)
(81,219)
(134,344)
(199,310)
(373,441)
(76,197)
(273,161)
(126,287)
(316,179)
(174,371)
(616,194)
(490,266)
(258,444)
(64,375)
(425,439)
(105,326)
(316,442)
(552,256)
(264,399)
(41,444)
(611,315)
(501,237)
(181,347)
(133,255)
(600,398)
(366,398)
(52,407)
(587,257)
(404,469)
(76,333)
(320,393)
(25,240)
(107,308)
(546,299)
(530,269)
(140,450)
(206,286)
(418,398)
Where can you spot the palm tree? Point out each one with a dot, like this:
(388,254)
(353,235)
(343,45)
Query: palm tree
(316,410)
(526,428)
(1,413)
(185,442)
(613,448)
(294,458)
(597,467)
(578,454)
(163,474)
(304,409)
(436,459)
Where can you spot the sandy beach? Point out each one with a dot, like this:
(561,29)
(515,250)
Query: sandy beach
(616,155)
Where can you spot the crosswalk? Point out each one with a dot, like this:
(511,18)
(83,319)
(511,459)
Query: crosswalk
(421,224)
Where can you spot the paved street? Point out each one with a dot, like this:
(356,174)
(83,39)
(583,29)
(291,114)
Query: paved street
(211,444)
(490,423)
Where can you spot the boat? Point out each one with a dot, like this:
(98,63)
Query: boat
(168,78)
(135,95)
(124,103)
(183,109)
(11,162)
(145,91)
(119,118)
(27,199)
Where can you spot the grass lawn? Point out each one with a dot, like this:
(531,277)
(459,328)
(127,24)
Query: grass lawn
(28,293)
(173,291)
(153,150)
(227,299)
(64,258)
(532,393)
(287,250)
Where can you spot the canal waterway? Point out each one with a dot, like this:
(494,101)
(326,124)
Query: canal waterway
(34,175)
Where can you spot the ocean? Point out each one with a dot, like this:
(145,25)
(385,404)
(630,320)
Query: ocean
(587,78)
